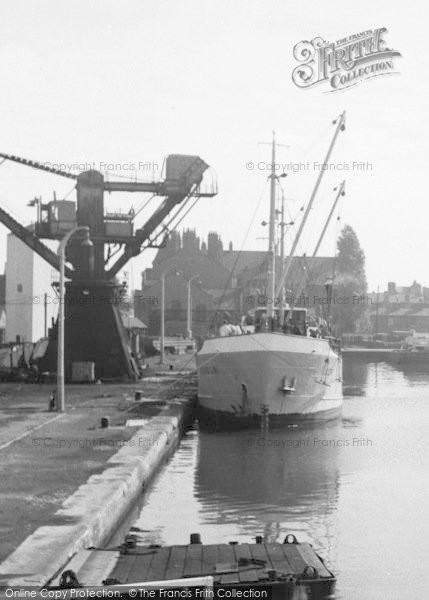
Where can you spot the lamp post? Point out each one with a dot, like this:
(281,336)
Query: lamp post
(189,312)
(161,349)
(60,404)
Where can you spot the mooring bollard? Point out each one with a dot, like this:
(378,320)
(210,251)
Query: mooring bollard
(130,541)
(104,422)
(265,418)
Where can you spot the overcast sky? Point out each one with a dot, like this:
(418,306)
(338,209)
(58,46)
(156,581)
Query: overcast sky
(130,82)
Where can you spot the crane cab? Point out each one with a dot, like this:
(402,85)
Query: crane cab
(56,218)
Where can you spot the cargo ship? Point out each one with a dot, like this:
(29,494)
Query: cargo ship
(280,371)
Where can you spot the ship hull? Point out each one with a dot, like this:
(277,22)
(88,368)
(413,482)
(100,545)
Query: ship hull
(268,378)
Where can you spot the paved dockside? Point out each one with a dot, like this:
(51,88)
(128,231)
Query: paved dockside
(67,482)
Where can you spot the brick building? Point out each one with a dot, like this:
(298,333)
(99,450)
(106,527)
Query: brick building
(226,283)
(400,308)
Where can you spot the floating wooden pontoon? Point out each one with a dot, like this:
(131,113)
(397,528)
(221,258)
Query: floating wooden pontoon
(261,565)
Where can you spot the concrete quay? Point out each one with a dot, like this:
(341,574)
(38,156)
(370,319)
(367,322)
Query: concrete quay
(67,483)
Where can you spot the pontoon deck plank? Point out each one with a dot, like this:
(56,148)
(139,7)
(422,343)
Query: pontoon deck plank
(228,564)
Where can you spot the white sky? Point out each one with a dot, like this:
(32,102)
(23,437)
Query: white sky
(132,81)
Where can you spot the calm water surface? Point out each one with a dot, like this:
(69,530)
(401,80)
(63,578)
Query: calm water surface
(357,489)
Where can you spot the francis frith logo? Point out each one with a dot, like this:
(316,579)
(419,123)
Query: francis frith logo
(343,63)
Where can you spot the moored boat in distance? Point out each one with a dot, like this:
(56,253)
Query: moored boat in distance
(414,349)
(280,371)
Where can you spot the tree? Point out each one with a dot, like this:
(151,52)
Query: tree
(349,298)
(351,257)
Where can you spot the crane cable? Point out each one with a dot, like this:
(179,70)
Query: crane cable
(310,272)
(144,205)
(166,227)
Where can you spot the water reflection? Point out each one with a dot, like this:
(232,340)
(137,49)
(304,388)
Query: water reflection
(355,375)
(352,501)
(272,484)
(416,371)
(357,370)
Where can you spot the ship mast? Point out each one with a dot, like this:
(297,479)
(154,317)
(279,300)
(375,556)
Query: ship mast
(340,127)
(271,286)
(341,192)
(282,252)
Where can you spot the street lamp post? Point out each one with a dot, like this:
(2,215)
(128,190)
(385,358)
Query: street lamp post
(60,403)
(189,312)
(161,348)
(162,342)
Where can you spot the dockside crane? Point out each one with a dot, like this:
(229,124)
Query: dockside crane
(94,330)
